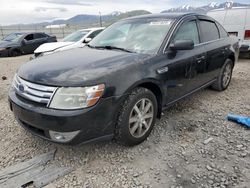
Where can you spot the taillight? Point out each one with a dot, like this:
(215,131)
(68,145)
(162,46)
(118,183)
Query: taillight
(247,35)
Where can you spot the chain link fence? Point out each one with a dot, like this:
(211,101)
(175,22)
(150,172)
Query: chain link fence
(59,32)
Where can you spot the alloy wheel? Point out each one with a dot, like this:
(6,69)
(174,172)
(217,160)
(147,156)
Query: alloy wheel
(141,118)
(227,75)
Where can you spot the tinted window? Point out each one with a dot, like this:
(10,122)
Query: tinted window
(187,31)
(29,37)
(137,35)
(14,37)
(94,34)
(39,36)
(209,31)
(223,33)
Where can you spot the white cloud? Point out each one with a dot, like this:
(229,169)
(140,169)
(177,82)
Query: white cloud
(33,11)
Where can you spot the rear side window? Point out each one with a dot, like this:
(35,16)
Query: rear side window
(187,31)
(223,33)
(209,31)
(39,36)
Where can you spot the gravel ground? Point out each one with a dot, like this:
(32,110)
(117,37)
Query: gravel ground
(193,145)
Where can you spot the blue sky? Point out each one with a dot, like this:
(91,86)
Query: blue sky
(32,11)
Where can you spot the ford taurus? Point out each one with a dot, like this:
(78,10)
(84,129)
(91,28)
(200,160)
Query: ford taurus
(117,85)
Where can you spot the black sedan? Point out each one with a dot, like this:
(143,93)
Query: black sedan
(23,43)
(118,85)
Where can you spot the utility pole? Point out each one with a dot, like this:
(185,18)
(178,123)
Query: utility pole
(100,18)
(1,31)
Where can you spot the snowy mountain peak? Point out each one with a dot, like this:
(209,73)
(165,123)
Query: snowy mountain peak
(204,9)
(214,4)
(229,4)
(116,13)
(185,7)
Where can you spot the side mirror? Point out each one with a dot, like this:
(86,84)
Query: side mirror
(23,42)
(182,45)
(87,40)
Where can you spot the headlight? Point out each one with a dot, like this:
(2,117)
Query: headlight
(1,49)
(70,98)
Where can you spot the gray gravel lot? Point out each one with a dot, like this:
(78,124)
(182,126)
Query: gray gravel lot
(193,145)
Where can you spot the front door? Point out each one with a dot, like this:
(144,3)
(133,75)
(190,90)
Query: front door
(183,67)
(27,45)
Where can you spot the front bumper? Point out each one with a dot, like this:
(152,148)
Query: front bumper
(4,53)
(91,123)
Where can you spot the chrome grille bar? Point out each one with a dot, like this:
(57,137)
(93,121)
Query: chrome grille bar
(33,92)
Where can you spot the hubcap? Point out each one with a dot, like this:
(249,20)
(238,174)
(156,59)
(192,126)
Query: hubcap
(227,75)
(141,117)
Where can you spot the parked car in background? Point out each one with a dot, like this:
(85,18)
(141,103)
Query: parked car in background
(236,21)
(117,85)
(77,39)
(20,43)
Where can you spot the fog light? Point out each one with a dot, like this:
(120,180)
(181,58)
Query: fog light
(62,136)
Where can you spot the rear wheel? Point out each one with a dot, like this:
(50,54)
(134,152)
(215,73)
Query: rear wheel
(137,117)
(224,77)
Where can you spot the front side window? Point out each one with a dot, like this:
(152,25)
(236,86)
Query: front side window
(137,35)
(209,31)
(94,34)
(29,37)
(187,31)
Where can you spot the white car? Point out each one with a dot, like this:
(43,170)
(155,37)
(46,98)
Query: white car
(77,39)
(236,21)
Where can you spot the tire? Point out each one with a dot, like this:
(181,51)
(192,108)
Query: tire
(14,53)
(128,119)
(224,77)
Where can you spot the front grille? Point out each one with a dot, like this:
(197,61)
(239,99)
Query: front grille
(34,92)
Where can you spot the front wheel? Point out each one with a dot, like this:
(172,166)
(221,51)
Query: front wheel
(224,77)
(137,117)
(14,53)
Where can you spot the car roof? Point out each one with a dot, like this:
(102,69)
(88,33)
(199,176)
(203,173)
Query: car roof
(27,33)
(164,15)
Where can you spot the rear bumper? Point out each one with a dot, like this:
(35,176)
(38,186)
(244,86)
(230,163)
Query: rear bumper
(92,123)
(244,48)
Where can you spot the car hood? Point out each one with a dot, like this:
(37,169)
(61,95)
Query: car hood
(71,46)
(47,47)
(78,67)
(5,44)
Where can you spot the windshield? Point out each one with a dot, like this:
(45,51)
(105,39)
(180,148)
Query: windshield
(75,37)
(137,35)
(14,37)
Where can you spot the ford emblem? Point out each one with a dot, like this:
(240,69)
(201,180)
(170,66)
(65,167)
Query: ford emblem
(21,88)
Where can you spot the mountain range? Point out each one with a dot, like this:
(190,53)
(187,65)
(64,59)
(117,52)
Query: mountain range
(89,20)
(93,20)
(206,8)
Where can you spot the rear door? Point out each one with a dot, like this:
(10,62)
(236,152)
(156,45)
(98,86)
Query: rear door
(39,38)
(215,47)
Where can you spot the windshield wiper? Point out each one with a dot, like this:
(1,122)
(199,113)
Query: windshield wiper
(111,48)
